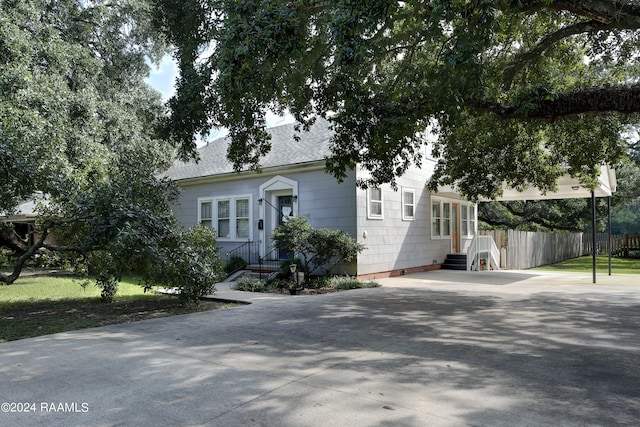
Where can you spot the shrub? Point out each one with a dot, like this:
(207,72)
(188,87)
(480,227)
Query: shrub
(235,263)
(249,284)
(188,263)
(346,282)
(323,247)
(279,283)
(285,270)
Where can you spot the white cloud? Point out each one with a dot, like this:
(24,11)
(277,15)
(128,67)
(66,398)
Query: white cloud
(162,77)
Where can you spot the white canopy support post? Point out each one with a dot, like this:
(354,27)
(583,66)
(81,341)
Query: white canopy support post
(609,231)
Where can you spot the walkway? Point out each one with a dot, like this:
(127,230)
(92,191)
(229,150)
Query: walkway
(437,348)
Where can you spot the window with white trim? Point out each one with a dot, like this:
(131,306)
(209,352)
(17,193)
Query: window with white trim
(206,218)
(242,218)
(436,216)
(470,221)
(464,219)
(224,211)
(374,203)
(446,219)
(408,204)
(230,217)
(442,218)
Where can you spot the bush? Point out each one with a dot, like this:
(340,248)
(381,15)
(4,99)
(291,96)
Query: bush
(249,284)
(279,283)
(285,270)
(235,263)
(189,263)
(346,282)
(323,247)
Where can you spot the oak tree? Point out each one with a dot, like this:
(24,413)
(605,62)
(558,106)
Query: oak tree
(514,91)
(79,132)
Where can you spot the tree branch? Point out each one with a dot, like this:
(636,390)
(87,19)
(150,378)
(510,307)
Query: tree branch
(523,59)
(41,244)
(613,13)
(22,259)
(622,99)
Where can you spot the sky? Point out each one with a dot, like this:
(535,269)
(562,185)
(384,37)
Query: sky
(162,77)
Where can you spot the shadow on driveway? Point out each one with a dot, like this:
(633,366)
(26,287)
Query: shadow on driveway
(396,355)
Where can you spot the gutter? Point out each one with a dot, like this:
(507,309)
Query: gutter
(247,174)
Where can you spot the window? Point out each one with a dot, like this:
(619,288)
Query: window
(206,218)
(242,218)
(224,212)
(442,218)
(408,204)
(472,220)
(468,219)
(375,203)
(464,217)
(229,216)
(435,218)
(446,219)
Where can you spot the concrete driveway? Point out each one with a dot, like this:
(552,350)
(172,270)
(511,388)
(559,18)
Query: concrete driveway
(437,348)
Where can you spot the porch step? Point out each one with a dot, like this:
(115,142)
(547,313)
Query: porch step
(266,266)
(254,274)
(455,262)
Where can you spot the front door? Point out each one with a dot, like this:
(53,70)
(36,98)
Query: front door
(455,228)
(285,211)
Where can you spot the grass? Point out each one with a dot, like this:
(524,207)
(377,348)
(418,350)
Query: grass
(584,264)
(43,304)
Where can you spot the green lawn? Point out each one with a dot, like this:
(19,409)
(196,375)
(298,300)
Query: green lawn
(45,304)
(584,264)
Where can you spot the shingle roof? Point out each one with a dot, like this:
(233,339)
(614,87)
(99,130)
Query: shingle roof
(313,146)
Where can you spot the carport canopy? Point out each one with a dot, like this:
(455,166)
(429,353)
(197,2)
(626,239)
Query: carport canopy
(568,188)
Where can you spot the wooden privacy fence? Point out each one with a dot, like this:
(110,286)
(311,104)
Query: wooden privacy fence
(520,250)
(620,245)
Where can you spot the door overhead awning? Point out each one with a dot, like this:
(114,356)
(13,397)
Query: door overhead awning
(568,188)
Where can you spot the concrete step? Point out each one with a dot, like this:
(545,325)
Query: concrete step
(455,262)
(266,266)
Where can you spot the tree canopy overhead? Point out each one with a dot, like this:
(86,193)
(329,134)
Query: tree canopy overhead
(515,91)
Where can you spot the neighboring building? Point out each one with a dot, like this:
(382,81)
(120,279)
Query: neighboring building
(22,220)
(404,231)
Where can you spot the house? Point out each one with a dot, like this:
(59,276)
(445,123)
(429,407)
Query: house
(404,231)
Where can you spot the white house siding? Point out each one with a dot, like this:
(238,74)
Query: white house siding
(326,202)
(394,244)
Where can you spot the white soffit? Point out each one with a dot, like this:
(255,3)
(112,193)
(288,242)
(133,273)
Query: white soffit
(568,188)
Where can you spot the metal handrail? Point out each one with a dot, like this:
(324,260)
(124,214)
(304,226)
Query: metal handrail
(268,260)
(248,251)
